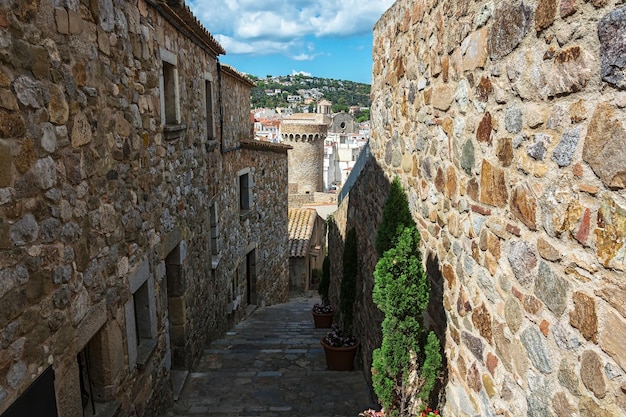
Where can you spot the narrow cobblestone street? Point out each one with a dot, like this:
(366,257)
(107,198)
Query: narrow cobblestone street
(272,364)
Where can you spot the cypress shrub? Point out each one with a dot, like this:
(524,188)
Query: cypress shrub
(396,213)
(401,291)
(324,284)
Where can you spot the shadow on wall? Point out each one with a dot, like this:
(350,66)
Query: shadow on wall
(438,319)
(362,209)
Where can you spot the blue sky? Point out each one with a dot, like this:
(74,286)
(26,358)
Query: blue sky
(324,38)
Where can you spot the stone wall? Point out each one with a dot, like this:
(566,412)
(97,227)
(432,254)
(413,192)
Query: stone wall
(121,232)
(505,123)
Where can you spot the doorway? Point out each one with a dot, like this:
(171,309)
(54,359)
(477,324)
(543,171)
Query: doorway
(251,277)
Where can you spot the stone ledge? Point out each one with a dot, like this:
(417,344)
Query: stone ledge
(144,351)
(172,132)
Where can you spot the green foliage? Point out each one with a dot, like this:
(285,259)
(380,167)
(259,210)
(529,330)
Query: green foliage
(324,284)
(432,365)
(362,116)
(396,213)
(401,291)
(347,295)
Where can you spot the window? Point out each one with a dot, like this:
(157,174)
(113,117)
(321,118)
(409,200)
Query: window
(141,317)
(168,83)
(170,94)
(208,102)
(245,190)
(215,234)
(141,303)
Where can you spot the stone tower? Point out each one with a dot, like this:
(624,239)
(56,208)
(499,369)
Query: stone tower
(305,132)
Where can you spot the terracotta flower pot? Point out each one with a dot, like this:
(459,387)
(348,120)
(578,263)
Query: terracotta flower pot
(340,358)
(322,320)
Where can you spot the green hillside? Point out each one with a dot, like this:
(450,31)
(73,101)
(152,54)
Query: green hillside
(341,93)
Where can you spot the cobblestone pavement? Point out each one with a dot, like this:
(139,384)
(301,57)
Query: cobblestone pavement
(272,364)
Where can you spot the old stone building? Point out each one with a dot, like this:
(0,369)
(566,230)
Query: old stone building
(138,220)
(343,123)
(505,123)
(305,133)
(307,246)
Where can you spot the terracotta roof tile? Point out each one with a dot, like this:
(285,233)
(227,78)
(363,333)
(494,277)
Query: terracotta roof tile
(301,222)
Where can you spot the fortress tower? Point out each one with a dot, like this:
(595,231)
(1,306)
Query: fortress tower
(305,132)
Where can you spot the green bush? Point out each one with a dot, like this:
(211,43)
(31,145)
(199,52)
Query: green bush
(324,284)
(396,214)
(347,295)
(401,291)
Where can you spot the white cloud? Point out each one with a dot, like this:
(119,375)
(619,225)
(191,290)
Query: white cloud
(270,26)
(304,73)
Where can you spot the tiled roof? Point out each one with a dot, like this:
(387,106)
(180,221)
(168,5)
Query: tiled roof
(236,74)
(301,222)
(181,16)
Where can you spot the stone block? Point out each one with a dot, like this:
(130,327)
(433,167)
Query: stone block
(481,318)
(493,188)
(563,154)
(7,100)
(177,310)
(474,50)
(58,108)
(611,33)
(11,124)
(545,14)
(552,289)
(523,261)
(592,373)
(524,206)
(562,406)
(504,151)
(474,344)
(584,316)
(139,276)
(6,166)
(81,133)
(484,131)
(92,322)
(513,314)
(442,96)
(547,251)
(570,71)
(510,24)
(62,21)
(605,146)
(611,227)
(612,336)
(535,344)
(75,22)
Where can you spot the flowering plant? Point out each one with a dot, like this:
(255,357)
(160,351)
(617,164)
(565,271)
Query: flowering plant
(337,338)
(429,412)
(372,413)
(322,308)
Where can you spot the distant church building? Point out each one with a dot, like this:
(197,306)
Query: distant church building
(343,123)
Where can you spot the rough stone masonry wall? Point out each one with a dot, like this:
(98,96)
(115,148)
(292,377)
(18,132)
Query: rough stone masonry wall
(506,123)
(93,196)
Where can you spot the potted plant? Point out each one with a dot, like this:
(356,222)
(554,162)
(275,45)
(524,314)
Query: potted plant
(339,349)
(339,344)
(323,312)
